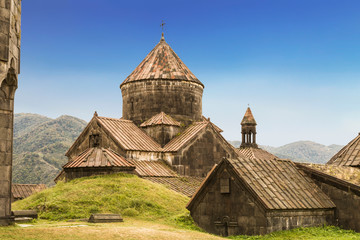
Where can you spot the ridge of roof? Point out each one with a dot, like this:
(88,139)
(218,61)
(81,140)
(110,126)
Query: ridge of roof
(248,117)
(160,119)
(252,152)
(162,63)
(349,155)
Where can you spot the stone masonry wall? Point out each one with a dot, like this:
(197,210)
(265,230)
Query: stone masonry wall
(347,203)
(197,158)
(232,213)
(162,133)
(10,20)
(180,99)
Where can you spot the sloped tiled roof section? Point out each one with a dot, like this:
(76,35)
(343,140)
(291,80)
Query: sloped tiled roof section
(152,169)
(348,155)
(21,191)
(184,185)
(252,152)
(279,185)
(160,119)
(128,135)
(98,157)
(162,63)
(248,118)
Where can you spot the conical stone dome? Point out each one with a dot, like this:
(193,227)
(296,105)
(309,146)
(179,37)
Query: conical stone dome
(162,83)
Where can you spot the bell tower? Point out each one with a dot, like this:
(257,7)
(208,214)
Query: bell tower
(248,130)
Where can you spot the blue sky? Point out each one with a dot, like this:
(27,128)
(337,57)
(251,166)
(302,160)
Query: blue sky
(295,62)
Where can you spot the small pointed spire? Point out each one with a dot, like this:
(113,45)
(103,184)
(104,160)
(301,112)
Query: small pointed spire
(248,117)
(162,37)
(95,114)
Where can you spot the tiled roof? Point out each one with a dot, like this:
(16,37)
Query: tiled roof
(128,135)
(348,155)
(252,152)
(21,191)
(279,185)
(162,63)
(216,127)
(160,119)
(98,157)
(184,185)
(152,169)
(248,117)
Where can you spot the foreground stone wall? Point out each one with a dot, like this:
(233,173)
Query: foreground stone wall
(10,20)
(144,99)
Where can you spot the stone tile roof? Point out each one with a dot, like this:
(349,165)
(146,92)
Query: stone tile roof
(162,63)
(128,135)
(248,117)
(160,119)
(21,191)
(190,133)
(98,157)
(279,185)
(252,152)
(348,155)
(184,185)
(152,169)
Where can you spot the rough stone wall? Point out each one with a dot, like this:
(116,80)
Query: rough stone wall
(10,20)
(347,213)
(198,157)
(285,220)
(232,213)
(180,99)
(143,156)
(87,172)
(162,133)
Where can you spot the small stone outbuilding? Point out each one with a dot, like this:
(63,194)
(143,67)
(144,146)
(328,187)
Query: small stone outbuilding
(256,196)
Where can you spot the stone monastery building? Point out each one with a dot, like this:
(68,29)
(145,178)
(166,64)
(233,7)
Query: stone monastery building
(163,137)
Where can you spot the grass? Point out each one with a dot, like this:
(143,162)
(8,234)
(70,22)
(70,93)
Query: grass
(118,193)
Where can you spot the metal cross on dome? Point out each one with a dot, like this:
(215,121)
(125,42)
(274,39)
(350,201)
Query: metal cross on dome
(162,25)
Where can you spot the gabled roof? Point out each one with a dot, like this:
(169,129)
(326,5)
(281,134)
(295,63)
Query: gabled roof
(160,119)
(98,157)
(162,63)
(277,184)
(252,152)
(21,191)
(128,135)
(152,169)
(189,134)
(248,117)
(348,155)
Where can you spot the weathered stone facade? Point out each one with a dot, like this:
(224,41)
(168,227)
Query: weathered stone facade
(180,99)
(10,20)
(162,133)
(87,172)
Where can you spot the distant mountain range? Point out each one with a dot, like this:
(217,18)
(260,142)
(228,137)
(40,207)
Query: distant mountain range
(41,142)
(302,151)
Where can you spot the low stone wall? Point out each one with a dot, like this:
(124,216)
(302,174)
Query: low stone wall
(345,195)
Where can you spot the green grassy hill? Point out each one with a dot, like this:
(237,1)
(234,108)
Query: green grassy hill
(117,193)
(40,144)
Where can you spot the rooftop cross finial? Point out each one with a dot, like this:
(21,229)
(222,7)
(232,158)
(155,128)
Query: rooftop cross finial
(162,25)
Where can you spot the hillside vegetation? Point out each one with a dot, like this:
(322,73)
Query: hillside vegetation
(117,193)
(40,144)
(301,151)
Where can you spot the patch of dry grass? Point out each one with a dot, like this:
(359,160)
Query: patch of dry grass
(349,174)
